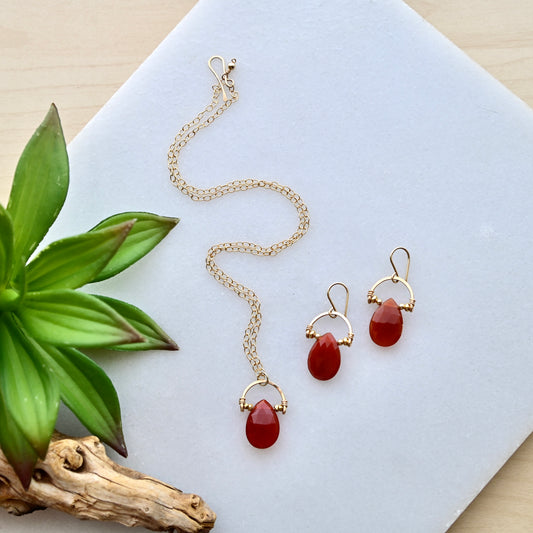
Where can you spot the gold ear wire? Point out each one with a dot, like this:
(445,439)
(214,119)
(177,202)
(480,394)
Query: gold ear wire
(396,275)
(333,308)
(395,278)
(310,333)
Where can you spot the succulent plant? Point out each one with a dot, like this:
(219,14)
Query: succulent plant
(45,321)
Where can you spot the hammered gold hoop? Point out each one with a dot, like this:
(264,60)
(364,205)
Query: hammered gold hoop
(263,382)
(310,333)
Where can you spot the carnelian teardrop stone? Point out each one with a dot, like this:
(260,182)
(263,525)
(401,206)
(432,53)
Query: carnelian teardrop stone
(262,425)
(324,358)
(386,324)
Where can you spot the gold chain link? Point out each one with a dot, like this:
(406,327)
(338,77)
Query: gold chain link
(213,111)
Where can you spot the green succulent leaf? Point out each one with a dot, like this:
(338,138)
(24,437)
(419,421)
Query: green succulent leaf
(39,186)
(16,448)
(148,231)
(72,262)
(6,247)
(155,337)
(43,320)
(88,393)
(70,318)
(30,392)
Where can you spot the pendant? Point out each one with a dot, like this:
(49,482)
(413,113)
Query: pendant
(262,425)
(324,358)
(386,324)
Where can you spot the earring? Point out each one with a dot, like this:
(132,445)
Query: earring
(387,322)
(325,357)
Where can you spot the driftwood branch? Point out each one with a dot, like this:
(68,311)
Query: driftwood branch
(78,478)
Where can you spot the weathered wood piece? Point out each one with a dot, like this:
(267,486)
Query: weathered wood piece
(78,478)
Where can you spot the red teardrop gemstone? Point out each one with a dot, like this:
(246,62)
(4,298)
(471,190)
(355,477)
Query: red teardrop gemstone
(324,358)
(386,324)
(262,425)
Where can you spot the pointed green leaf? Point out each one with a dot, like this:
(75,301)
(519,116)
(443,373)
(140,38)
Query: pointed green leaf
(148,231)
(30,392)
(6,247)
(40,185)
(88,393)
(155,337)
(69,318)
(72,262)
(16,448)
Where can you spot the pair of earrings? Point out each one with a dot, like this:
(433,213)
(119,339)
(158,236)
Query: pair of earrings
(385,326)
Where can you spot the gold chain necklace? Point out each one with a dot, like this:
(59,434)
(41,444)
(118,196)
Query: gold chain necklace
(262,427)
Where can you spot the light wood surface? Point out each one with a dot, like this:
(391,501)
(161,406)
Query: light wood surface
(77,54)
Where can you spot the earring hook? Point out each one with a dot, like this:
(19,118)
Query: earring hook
(396,275)
(223,80)
(333,308)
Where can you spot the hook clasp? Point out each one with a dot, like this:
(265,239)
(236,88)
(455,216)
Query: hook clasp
(396,275)
(223,80)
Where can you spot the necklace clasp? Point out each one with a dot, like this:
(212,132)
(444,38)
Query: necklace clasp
(223,80)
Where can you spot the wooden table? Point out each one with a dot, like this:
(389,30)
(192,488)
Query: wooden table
(78,54)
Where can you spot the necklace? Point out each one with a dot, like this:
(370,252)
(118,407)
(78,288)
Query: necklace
(262,425)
